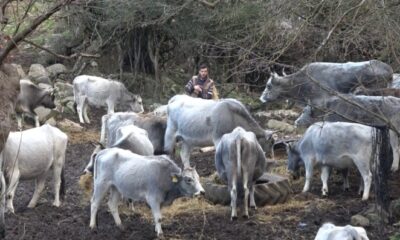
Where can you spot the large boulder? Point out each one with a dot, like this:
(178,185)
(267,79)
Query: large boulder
(56,69)
(37,73)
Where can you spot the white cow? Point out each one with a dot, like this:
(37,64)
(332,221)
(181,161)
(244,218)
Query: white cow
(339,145)
(99,92)
(328,231)
(154,179)
(29,155)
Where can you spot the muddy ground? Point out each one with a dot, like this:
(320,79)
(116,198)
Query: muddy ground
(299,218)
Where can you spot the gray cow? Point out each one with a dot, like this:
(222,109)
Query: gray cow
(340,109)
(339,145)
(99,92)
(240,161)
(308,83)
(30,97)
(154,179)
(31,154)
(154,125)
(199,123)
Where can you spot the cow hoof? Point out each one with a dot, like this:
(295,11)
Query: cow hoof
(394,169)
(30,205)
(56,204)
(234,218)
(121,227)
(246,216)
(253,207)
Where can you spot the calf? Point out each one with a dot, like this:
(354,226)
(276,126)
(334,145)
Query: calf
(30,97)
(29,155)
(240,161)
(154,125)
(99,92)
(333,144)
(154,179)
(130,138)
(328,231)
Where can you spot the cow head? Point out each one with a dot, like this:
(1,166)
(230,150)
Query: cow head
(274,88)
(306,118)
(294,159)
(48,99)
(189,182)
(267,141)
(133,102)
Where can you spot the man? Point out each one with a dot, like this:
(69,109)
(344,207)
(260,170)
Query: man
(201,85)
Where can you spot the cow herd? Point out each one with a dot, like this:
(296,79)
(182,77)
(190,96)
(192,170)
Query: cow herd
(127,163)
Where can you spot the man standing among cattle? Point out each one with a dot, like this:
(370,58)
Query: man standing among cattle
(201,85)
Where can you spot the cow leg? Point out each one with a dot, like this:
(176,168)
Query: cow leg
(309,173)
(38,190)
(367,178)
(246,194)
(20,118)
(185,155)
(100,189)
(394,142)
(113,202)
(57,169)
(233,193)
(37,123)
(11,189)
(345,174)
(156,210)
(79,107)
(252,201)
(84,110)
(325,170)
(110,107)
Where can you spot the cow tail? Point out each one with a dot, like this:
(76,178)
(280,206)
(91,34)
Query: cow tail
(62,187)
(238,158)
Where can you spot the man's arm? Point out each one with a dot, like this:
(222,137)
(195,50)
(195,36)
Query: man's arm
(189,86)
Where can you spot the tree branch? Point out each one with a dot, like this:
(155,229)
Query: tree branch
(335,26)
(75,55)
(208,4)
(24,33)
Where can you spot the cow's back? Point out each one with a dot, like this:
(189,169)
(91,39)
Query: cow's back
(334,140)
(135,175)
(343,77)
(35,150)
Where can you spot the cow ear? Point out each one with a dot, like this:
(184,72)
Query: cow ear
(175,177)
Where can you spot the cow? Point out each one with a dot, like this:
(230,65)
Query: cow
(29,155)
(394,92)
(240,161)
(154,179)
(161,111)
(30,97)
(154,125)
(341,109)
(333,144)
(310,83)
(329,231)
(198,122)
(99,92)
(128,137)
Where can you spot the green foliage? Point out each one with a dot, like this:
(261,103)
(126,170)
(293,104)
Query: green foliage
(395,237)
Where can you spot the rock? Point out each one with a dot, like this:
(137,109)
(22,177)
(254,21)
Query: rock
(45,86)
(359,220)
(281,126)
(20,71)
(69,126)
(37,71)
(42,79)
(51,121)
(56,69)
(44,113)
(64,90)
(277,114)
(69,108)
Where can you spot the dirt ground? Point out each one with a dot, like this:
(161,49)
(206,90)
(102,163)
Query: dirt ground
(299,218)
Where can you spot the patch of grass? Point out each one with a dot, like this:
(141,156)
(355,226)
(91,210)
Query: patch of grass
(83,137)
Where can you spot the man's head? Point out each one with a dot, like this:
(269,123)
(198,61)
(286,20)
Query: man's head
(203,70)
